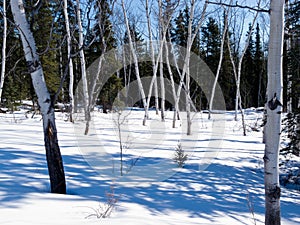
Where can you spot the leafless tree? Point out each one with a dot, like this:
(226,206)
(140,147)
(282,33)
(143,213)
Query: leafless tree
(274,109)
(2,76)
(54,159)
(71,75)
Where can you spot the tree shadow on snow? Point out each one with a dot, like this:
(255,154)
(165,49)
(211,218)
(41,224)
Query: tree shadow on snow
(220,189)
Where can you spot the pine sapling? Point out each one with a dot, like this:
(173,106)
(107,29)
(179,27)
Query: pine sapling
(180,157)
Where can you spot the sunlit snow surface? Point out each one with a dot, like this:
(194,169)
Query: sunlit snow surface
(223,176)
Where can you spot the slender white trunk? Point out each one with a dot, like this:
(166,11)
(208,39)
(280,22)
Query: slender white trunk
(162,34)
(54,159)
(188,102)
(191,38)
(219,65)
(274,109)
(162,91)
(3,49)
(239,71)
(152,58)
(185,71)
(238,94)
(289,75)
(156,97)
(61,72)
(155,63)
(135,60)
(71,74)
(154,70)
(83,69)
(172,83)
(190,41)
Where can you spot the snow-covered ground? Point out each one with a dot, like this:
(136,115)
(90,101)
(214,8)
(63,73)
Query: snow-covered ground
(221,183)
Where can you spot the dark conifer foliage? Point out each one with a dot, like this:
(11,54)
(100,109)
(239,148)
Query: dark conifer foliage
(292,79)
(259,71)
(247,75)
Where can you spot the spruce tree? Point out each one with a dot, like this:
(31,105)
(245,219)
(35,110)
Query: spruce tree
(248,79)
(292,78)
(102,36)
(259,71)
(211,42)
(17,83)
(226,80)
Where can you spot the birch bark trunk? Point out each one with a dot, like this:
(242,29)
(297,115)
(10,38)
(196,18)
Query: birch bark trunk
(3,49)
(190,39)
(219,65)
(274,109)
(70,61)
(136,64)
(83,70)
(53,155)
(239,71)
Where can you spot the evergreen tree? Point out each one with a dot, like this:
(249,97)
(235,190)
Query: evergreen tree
(179,33)
(210,46)
(17,83)
(292,79)
(248,79)
(179,36)
(211,42)
(102,35)
(259,90)
(291,56)
(227,80)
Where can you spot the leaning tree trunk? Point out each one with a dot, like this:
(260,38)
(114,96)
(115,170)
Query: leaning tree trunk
(87,115)
(219,65)
(238,97)
(136,64)
(70,61)
(3,49)
(154,66)
(54,159)
(274,108)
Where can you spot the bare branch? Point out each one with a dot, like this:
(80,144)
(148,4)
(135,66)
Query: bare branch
(236,5)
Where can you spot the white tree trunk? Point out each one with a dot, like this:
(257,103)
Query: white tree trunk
(162,92)
(239,71)
(154,70)
(162,34)
(238,94)
(172,83)
(274,109)
(54,159)
(190,39)
(219,65)
(71,74)
(83,70)
(156,97)
(3,49)
(152,58)
(135,60)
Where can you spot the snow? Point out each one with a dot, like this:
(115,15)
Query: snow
(221,179)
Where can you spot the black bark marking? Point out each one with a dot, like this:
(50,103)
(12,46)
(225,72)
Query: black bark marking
(274,193)
(274,102)
(33,66)
(266,159)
